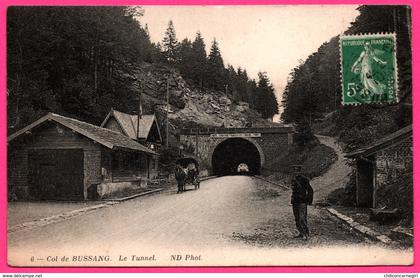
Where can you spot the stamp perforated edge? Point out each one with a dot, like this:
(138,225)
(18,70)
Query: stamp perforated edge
(396,74)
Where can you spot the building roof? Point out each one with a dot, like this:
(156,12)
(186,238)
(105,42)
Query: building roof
(103,136)
(382,143)
(129,125)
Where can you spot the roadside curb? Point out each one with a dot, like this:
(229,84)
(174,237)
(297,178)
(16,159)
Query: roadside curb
(207,178)
(360,228)
(268,181)
(58,218)
(135,195)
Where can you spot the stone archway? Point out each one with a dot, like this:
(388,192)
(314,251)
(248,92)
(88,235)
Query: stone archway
(229,153)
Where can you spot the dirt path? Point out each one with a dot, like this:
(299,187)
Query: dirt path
(335,177)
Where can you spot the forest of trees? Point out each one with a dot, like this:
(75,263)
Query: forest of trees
(78,61)
(72,60)
(314,87)
(209,71)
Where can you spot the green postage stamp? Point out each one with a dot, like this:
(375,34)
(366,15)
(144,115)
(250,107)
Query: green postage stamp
(368,68)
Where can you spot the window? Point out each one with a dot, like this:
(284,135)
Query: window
(126,163)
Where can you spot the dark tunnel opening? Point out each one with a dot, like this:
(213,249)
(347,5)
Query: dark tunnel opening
(230,156)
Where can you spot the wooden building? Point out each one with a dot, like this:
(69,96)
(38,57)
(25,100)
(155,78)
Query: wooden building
(57,157)
(146,131)
(383,162)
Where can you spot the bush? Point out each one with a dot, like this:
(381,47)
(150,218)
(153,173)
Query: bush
(345,196)
(167,159)
(304,136)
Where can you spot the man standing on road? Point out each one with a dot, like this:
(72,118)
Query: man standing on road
(302,196)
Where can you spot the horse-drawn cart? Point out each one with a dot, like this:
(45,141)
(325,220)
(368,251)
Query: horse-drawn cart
(187,173)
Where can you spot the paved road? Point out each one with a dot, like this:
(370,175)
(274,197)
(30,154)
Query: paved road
(231,220)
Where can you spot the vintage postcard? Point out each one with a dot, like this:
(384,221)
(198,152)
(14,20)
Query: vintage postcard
(162,136)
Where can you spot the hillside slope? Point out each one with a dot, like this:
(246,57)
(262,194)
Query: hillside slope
(190,106)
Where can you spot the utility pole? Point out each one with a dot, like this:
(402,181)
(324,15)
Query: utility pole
(140,112)
(167,112)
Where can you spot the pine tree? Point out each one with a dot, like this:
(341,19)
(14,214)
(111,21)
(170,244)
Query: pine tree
(232,82)
(157,53)
(240,86)
(251,92)
(266,102)
(170,44)
(216,68)
(185,57)
(199,60)
(243,86)
(146,30)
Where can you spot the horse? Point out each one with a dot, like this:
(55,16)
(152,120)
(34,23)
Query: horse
(192,178)
(181,177)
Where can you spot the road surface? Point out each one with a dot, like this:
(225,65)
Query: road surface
(234,220)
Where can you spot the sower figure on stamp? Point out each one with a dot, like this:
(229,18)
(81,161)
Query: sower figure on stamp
(363,66)
(302,196)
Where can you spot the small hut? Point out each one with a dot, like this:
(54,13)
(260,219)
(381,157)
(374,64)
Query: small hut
(383,162)
(60,158)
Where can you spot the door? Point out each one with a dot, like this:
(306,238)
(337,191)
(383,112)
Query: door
(46,179)
(56,174)
(365,182)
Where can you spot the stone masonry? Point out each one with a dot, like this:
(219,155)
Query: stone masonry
(271,142)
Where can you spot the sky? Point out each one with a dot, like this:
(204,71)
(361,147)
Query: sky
(273,39)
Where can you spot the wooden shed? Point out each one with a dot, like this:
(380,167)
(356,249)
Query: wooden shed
(381,162)
(60,158)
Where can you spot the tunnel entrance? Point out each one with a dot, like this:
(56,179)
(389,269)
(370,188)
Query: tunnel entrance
(230,156)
